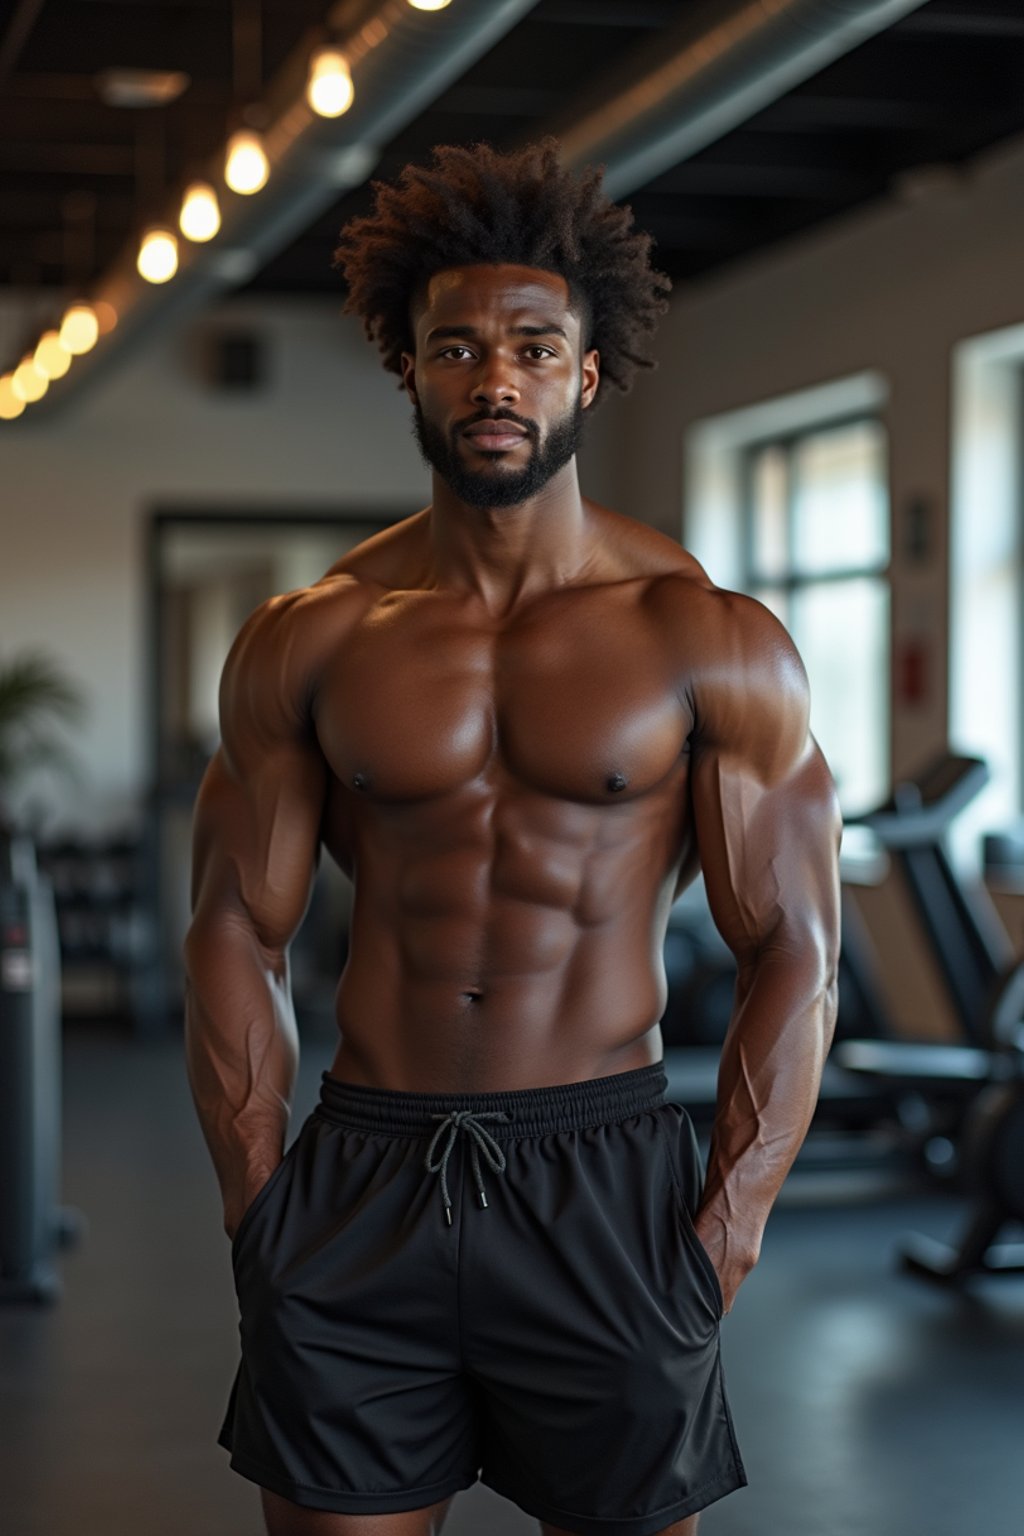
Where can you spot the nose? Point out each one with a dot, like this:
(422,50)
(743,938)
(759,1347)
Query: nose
(495,383)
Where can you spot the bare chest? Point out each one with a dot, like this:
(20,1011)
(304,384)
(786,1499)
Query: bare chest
(577,700)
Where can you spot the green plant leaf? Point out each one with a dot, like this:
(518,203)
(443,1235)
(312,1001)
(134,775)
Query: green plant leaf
(34,691)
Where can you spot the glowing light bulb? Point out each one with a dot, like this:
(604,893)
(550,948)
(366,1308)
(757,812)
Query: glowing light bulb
(106,316)
(79,329)
(429,5)
(157,260)
(247,168)
(329,90)
(28,383)
(200,212)
(11,405)
(52,358)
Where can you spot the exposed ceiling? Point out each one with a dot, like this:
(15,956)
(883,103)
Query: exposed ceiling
(79,177)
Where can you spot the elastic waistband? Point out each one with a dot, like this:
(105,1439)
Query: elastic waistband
(531,1111)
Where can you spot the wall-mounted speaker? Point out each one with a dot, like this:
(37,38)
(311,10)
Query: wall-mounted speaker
(236,360)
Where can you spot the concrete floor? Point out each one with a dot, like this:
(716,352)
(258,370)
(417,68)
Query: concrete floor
(866,1403)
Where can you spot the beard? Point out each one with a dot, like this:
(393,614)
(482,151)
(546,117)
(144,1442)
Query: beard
(496,486)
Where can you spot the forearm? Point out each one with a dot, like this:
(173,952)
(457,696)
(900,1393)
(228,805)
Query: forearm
(241,1046)
(768,1084)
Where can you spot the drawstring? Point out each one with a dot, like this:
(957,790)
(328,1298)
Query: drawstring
(466,1120)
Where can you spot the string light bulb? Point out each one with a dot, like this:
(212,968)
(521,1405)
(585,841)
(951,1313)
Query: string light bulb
(199,218)
(11,405)
(329,90)
(51,358)
(429,5)
(28,383)
(79,329)
(247,168)
(157,260)
(106,316)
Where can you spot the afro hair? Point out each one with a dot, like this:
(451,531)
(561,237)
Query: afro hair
(474,205)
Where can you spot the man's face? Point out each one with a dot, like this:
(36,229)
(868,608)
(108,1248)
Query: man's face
(498,381)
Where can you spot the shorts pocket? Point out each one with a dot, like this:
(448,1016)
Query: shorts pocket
(680,1140)
(703,1259)
(261,1197)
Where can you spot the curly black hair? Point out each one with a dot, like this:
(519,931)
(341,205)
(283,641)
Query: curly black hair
(474,204)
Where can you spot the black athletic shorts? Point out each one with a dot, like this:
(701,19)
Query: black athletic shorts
(439,1287)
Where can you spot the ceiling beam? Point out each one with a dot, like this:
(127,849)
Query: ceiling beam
(500,100)
(68,159)
(59,85)
(701,230)
(805,112)
(32,203)
(706,178)
(963,24)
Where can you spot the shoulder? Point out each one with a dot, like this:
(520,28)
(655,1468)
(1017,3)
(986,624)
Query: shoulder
(736,628)
(727,650)
(273,668)
(711,625)
(631,550)
(746,683)
(388,559)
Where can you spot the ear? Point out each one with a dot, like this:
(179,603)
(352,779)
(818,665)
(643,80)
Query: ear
(590,372)
(409,375)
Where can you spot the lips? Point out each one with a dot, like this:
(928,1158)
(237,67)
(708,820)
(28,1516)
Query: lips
(495,435)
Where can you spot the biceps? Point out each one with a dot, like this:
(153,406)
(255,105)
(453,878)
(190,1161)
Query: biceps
(769,852)
(255,843)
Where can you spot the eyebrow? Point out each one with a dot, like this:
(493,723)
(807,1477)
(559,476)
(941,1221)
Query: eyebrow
(549,328)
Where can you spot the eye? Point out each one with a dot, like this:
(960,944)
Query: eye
(450,351)
(537,352)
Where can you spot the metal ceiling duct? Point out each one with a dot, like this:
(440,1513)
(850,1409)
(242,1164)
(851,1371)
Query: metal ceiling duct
(707,74)
(401,59)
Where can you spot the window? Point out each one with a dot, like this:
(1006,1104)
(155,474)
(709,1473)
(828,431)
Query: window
(986,654)
(816,552)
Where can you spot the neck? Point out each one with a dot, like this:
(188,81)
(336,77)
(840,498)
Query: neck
(505,554)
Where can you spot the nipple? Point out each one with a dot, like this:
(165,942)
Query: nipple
(359,781)
(617,781)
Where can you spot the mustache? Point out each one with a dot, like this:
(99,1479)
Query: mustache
(528,426)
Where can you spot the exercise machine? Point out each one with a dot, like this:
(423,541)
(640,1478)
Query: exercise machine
(32,1226)
(974,1091)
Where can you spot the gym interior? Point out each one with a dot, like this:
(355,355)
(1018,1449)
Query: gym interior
(835,426)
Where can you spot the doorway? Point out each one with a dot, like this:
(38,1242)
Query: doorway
(206,572)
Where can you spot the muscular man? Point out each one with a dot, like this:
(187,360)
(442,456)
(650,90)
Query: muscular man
(520,722)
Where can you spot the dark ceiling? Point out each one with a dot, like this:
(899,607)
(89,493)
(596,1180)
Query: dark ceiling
(78,177)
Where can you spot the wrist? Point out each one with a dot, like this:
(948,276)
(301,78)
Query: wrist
(239,1193)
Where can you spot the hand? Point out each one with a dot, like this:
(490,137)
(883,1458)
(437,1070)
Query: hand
(732,1258)
(238,1200)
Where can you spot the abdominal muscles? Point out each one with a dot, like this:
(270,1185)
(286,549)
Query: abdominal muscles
(507,939)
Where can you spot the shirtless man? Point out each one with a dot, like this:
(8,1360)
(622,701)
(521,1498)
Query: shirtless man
(519,722)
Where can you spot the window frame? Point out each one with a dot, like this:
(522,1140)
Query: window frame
(791,582)
(788,443)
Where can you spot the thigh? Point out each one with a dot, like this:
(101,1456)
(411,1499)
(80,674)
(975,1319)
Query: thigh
(286,1519)
(350,1397)
(592,1326)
